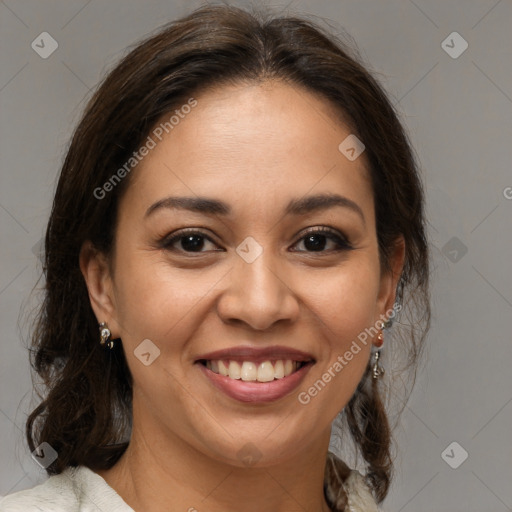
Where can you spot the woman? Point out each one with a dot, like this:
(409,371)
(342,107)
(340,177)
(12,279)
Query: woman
(238,218)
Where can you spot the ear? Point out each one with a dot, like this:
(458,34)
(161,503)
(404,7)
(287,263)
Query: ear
(96,271)
(390,277)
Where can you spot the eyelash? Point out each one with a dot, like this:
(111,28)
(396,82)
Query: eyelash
(341,242)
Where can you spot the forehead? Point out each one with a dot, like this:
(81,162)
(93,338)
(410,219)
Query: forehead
(254,145)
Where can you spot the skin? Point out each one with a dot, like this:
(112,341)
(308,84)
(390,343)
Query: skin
(255,147)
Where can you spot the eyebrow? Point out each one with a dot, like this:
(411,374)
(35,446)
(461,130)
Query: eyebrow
(302,206)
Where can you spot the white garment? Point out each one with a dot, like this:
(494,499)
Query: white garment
(74,490)
(82,490)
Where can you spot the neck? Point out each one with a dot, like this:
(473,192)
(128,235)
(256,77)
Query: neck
(160,471)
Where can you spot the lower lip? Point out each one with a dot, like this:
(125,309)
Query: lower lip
(256,391)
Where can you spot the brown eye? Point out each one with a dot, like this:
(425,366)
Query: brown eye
(190,241)
(316,240)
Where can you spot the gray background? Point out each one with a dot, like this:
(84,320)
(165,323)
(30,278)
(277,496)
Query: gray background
(459,116)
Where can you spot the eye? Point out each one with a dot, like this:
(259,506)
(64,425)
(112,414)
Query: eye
(314,240)
(191,241)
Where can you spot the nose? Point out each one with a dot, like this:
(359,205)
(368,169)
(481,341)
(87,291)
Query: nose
(259,294)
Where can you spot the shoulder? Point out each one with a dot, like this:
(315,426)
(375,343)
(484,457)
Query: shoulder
(346,489)
(358,494)
(56,494)
(74,490)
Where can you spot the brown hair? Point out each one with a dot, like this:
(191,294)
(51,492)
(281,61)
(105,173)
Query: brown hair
(85,414)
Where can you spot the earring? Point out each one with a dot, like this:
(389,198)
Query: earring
(105,336)
(388,323)
(378,370)
(380,340)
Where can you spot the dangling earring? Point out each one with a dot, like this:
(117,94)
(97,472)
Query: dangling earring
(378,370)
(105,336)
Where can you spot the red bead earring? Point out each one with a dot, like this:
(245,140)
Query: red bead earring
(380,340)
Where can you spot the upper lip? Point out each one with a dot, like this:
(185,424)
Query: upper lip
(248,353)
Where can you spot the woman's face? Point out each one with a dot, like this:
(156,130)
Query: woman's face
(254,274)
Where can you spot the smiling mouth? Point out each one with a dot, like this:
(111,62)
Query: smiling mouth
(249,371)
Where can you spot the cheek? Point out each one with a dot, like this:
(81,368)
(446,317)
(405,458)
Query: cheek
(346,298)
(345,306)
(153,298)
(155,301)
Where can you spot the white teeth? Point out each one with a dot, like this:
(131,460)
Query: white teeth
(252,372)
(288,367)
(279,370)
(223,369)
(265,372)
(234,370)
(249,371)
